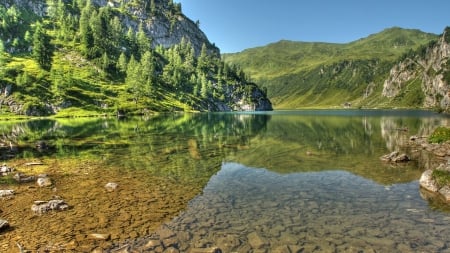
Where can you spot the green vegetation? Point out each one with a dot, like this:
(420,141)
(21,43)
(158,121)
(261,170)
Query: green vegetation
(304,75)
(79,55)
(441,177)
(441,134)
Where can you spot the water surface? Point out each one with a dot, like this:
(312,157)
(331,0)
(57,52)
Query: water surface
(283,181)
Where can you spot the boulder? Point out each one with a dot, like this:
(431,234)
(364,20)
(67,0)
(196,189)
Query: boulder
(395,157)
(389,157)
(445,192)
(427,182)
(401,158)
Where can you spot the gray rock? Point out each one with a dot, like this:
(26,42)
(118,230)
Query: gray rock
(44,182)
(6,193)
(111,186)
(21,178)
(41,207)
(427,182)
(401,158)
(445,192)
(389,157)
(5,170)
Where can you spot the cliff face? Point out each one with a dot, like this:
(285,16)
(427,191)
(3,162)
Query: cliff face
(164,26)
(432,67)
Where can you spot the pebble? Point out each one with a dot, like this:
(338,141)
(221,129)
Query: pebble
(111,186)
(97,236)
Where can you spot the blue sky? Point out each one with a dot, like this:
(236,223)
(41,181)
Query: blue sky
(234,25)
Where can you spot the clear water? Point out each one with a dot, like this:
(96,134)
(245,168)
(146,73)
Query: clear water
(283,181)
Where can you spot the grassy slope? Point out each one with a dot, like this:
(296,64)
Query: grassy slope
(304,74)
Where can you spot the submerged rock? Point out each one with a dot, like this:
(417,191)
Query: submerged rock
(111,186)
(22,178)
(3,224)
(5,170)
(43,181)
(6,193)
(395,157)
(41,207)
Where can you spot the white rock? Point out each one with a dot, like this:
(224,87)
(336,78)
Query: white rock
(427,182)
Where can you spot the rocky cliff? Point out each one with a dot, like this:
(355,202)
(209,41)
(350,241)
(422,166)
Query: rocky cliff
(166,27)
(431,66)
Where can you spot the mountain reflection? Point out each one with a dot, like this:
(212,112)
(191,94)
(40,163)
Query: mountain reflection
(186,146)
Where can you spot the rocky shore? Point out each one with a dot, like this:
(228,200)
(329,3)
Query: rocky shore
(440,153)
(434,159)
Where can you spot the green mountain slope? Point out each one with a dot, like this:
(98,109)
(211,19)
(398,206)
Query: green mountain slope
(124,56)
(310,74)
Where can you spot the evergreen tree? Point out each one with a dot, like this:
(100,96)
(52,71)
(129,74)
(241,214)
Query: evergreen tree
(42,49)
(86,38)
(132,43)
(148,69)
(143,42)
(2,58)
(121,65)
(134,79)
(202,60)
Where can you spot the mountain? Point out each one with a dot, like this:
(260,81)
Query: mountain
(127,56)
(312,74)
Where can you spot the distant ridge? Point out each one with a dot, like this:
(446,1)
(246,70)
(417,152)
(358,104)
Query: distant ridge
(317,74)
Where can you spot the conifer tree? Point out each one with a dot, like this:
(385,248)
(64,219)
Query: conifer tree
(42,49)
(121,65)
(143,42)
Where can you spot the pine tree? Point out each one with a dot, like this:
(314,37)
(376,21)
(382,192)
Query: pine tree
(86,38)
(134,79)
(122,63)
(42,49)
(148,69)
(143,42)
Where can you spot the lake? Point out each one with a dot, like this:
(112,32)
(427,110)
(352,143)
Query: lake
(282,181)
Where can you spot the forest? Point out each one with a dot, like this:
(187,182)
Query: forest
(80,55)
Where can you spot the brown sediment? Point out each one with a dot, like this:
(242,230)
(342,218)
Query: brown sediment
(97,218)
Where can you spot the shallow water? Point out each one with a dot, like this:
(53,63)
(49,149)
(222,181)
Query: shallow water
(284,181)
(243,209)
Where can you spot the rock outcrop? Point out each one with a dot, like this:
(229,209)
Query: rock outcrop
(432,67)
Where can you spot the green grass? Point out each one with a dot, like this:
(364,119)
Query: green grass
(441,134)
(310,74)
(441,177)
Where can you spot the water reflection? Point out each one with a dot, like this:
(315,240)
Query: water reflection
(181,145)
(320,174)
